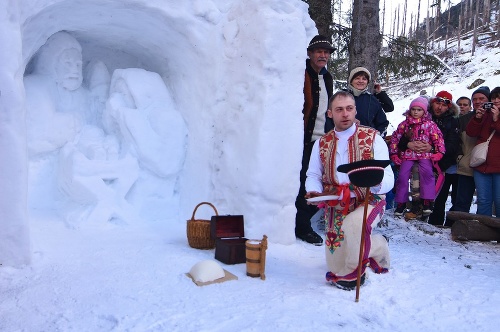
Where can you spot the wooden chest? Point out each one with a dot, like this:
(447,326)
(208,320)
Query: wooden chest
(228,232)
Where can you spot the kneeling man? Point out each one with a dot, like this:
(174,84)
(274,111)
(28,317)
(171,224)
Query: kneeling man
(347,143)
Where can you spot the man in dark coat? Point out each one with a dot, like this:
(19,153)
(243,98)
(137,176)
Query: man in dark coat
(318,88)
(445,114)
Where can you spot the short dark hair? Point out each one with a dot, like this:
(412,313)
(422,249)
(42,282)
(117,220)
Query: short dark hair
(495,93)
(340,93)
(465,98)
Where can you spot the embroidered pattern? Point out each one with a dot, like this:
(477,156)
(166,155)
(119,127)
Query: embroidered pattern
(334,233)
(378,210)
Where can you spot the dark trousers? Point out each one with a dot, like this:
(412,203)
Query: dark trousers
(465,193)
(438,213)
(304,211)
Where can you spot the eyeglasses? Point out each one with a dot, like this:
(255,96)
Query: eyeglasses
(442,100)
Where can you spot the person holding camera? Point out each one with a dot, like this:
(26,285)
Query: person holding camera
(484,125)
(466,185)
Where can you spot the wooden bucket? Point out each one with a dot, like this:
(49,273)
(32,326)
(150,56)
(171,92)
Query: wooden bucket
(256,257)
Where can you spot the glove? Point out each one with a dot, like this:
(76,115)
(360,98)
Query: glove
(436,156)
(396,160)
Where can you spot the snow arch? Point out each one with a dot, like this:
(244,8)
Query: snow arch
(225,65)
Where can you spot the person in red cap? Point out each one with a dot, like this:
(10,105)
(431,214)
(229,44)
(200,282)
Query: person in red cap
(318,87)
(418,126)
(346,144)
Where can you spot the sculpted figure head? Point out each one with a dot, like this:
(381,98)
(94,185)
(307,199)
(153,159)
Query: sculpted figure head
(61,58)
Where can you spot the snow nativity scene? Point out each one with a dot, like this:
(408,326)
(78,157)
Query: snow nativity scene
(222,165)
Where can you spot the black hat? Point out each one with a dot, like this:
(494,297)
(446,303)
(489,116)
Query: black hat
(320,41)
(365,173)
(483,90)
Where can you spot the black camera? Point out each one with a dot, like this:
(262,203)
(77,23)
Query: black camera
(487,106)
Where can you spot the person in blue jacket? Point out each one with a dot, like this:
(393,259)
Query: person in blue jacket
(369,110)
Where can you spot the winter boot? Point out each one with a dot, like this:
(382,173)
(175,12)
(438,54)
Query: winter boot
(348,285)
(400,209)
(427,207)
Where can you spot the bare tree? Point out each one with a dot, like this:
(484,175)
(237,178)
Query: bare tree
(459,32)
(474,38)
(418,15)
(486,12)
(447,25)
(427,28)
(365,43)
(405,11)
(498,21)
(394,25)
(383,19)
(471,16)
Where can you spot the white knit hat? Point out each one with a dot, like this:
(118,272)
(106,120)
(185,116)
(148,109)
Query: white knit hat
(359,70)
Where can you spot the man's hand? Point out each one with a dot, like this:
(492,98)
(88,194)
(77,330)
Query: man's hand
(419,146)
(311,194)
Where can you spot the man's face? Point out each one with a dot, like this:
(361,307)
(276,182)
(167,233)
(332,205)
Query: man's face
(464,106)
(439,107)
(69,69)
(343,112)
(478,100)
(319,58)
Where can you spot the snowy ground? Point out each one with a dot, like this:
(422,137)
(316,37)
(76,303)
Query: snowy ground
(116,278)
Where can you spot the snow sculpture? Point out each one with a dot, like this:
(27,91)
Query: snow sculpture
(97,79)
(96,175)
(56,102)
(141,111)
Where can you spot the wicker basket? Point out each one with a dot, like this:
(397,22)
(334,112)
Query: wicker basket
(198,231)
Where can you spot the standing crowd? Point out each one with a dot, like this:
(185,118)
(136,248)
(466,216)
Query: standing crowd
(436,139)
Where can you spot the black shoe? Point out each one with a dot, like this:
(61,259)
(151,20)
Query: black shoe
(312,237)
(427,207)
(400,209)
(348,285)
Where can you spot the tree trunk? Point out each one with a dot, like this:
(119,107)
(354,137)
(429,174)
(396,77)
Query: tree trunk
(471,16)
(447,27)
(321,13)
(427,31)
(418,16)
(474,38)
(459,32)
(405,17)
(383,20)
(498,21)
(365,42)
(486,12)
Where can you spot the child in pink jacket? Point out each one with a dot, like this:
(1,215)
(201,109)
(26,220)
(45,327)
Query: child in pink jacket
(418,126)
